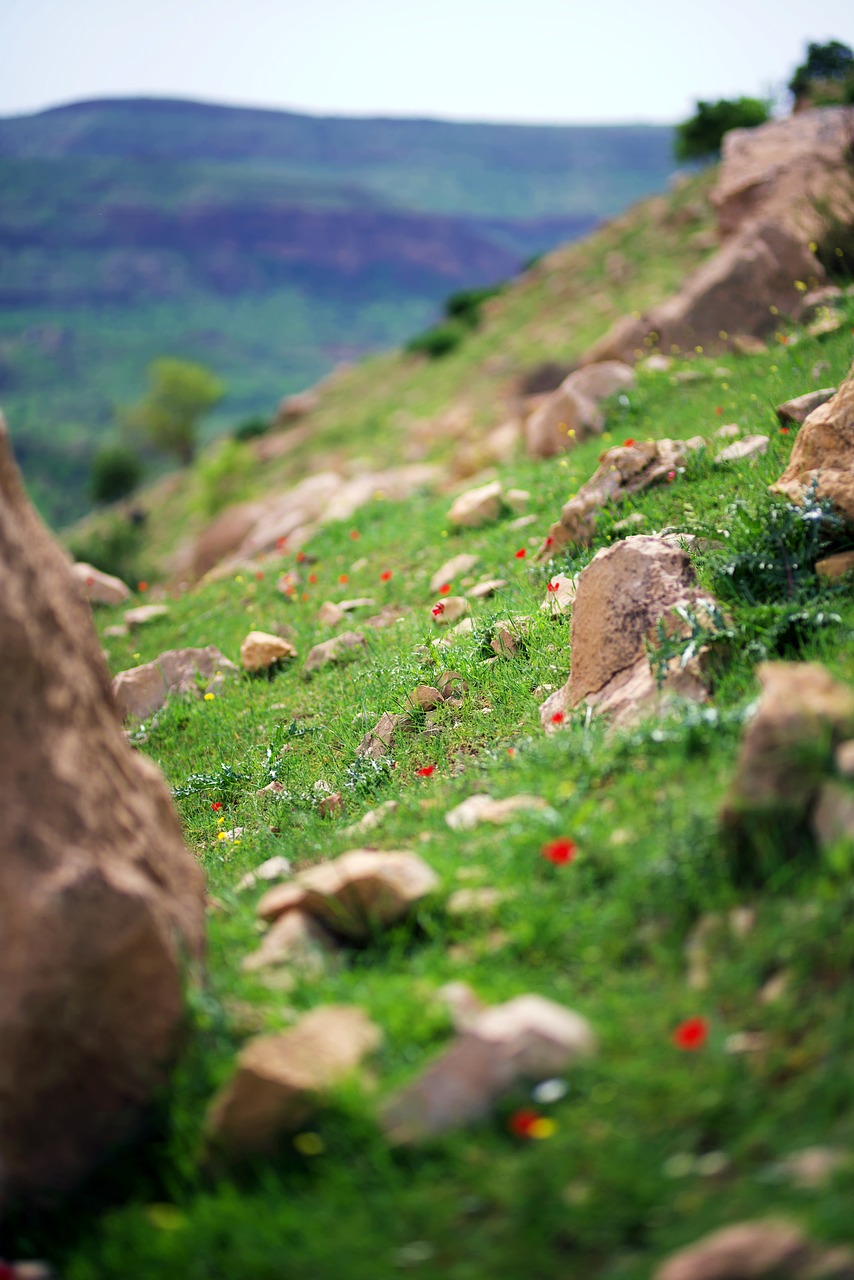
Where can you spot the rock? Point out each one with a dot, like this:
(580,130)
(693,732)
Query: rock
(623,471)
(656,363)
(145,613)
(729,431)
(826,324)
(560,594)
(833,817)
(141,691)
(621,596)
(479,901)
(279,1077)
(763,1250)
(786,752)
(813,1167)
(745,344)
(331,806)
(426,697)
(381,739)
(462,1004)
(331,652)
(116,632)
(629,522)
(816,300)
(356,892)
(749,447)
(370,820)
(483,590)
(101,906)
(517,500)
(330,614)
(476,507)
(823,453)
(297,406)
(844,759)
(482,808)
(276,868)
(359,602)
(98,587)
(452,569)
(449,609)
(571,414)
(836,566)
(223,537)
(296,939)
(799,409)
(260,651)
(526,1038)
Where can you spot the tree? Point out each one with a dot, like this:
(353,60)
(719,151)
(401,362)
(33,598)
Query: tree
(825,75)
(179,395)
(116,471)
(700,137)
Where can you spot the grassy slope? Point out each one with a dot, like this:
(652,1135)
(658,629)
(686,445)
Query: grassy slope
(653,1146)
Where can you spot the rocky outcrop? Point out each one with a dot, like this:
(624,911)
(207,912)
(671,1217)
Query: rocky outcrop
(823,454)
(572,413)
(101,907)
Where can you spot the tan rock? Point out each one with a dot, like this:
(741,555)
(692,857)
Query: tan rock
(358,602)
(621,596)
(832,819)
(101,906)
(371,820)
(745,344)
(276,868)
(144,614)
(844,758)
(280,1078)
(297,939)
(483,590)
(453,569)
(98,587)
(528,1037)
(223,537)
(729,431)
(482,808)
(381,739)
(331,652)
(763,1250)
(560,594)
(426,697)
(297,406)
(462,1004)
(623,471)
(836,566)
(330,614)
(823,453)
(331,806)
(561,422)
(476,507)
(482,900)
(358,891)
(813,1167)
(787,750)
(449,609)
(749,447)
(800,408)
(141,691)
(517,500)
(260,651)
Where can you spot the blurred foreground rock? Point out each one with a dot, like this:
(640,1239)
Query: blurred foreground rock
(101,907)
(765,1250)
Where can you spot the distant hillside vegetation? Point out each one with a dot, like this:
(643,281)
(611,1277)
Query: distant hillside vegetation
(266,244)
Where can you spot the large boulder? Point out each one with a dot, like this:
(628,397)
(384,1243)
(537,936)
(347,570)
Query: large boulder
(101,907)
(571,413)
(140,691)
(823,453)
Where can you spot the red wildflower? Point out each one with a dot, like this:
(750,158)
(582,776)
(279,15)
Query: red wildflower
(553,586)
(521,553)
(784,431)
(142,586)
(550,541)
(354,534)
(438,609)
(511,751)
(522,1121)
(560,851)
(216,806)
(281,543)
(259,576)
(558,717)
(304,596)
(691,1034)
(627,444)
(385,576)
(342,577)
(718,410)
(444,589)
(301,556)
(312,577)
(426,771)
(671,475)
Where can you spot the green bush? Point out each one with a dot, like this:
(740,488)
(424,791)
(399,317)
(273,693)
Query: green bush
(223,477)
(116,472)
(114,546)
(826,76)
(437,342)
(700,137)
(251,428)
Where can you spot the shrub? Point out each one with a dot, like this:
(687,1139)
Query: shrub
(116,472)
(223,477)
(436,342)
(251,428)
(700,137)
(113,546)
(826,75)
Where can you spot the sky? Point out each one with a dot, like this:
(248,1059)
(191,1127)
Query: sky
(531,61)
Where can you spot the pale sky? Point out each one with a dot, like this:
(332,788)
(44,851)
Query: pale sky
(558,61)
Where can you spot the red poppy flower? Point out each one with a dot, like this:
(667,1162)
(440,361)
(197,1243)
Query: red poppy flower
(691,1034)
(671,475)
(216,806)
(444,589)
(301,557)
(438,609)
(558,717)
(560,851)
(627,444)
(281,543)
(426,771)
(784,431)
(521,553)
(522,1121)
(312,577)
(385,576)
(354,534)
(550,541)
(718,410)
(553,586)
(342,577)
(142,586)
(511,751)
(259,576)
(305,596)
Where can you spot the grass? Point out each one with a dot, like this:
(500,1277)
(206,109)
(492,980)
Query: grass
(653,1146)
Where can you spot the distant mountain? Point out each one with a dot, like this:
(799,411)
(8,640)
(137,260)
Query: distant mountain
(267,244)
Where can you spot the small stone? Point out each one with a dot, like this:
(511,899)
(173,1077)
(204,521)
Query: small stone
(296,938)
(517,500)
(278,1079)
(118,631)
(331,806)
(449,609)
(504,642)
(480,901)
(274,788)
(332,652)
(656,363)
(358,602)
(464,628)
(277,868)
(452,569)
(381,739)
(482,808)
(729,431)
(826,324)
(813,1167)
(629,522)
(330,614)
(425,697)
(140,691)
(836,566)
(260,651)
(746,1042)
(749,447)
(799,409)
(477,507)
(832,818)
(762,1250)
(745,344)
(98,587)
(483,590)
(370,820)
(145,613)
(522,522)
(775,988)
(560,594)
(844,759)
